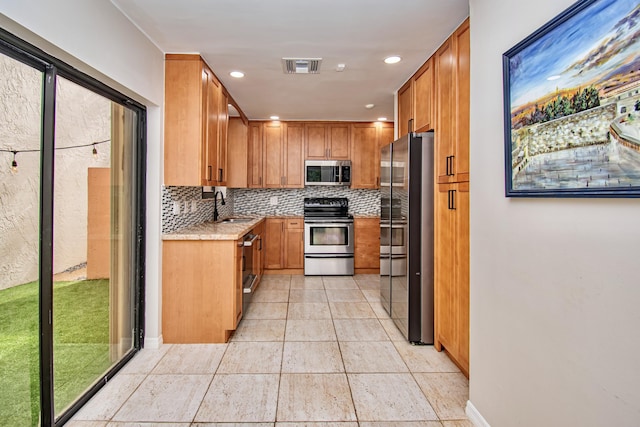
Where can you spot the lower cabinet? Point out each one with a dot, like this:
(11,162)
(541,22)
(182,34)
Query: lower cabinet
(452,272)
(284,244)
(201,290)
(366,245)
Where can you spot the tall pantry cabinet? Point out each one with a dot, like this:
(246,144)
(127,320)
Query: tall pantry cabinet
(437,97)
(451,96)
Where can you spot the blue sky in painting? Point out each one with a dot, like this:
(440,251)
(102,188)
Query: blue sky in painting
(551,54)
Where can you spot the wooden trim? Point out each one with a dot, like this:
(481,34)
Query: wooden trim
(182,57)
(367,271)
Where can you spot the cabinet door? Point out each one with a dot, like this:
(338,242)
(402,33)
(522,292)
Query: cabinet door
(452,271)
(255,155)
(364,165)
(315,141)
(223,132)
(462,273)
(461,168)
(423,97)
(293,155)
(385,136)
(338,142)
(294,244)
(444,265)
(184,120)
(446,112)
(367,243)
(273,244)
(405,107)
(273,171)
(238,158)
(213,129)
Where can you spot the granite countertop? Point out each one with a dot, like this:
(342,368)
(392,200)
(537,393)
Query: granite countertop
(214,230)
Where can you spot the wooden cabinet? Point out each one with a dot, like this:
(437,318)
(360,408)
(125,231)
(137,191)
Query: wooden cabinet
(452,100)
(405,108)
(415,101)
(327,141)
(237,154)
(294,243)
(451,242)
(423,83)
(273,149)
(367,139)
(366,245)
(275,155)
(254,151)
(274,243)
(292,158)
(284,244)
(201,290)
(194,153)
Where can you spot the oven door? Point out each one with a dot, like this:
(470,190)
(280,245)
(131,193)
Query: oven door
(328,237)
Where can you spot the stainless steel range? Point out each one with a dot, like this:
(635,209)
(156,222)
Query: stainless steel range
(328,237)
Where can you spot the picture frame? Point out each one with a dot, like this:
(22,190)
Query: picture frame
(572,104)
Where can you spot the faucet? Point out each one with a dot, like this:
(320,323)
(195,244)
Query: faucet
(215,204)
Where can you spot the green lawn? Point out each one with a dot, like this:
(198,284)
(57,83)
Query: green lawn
(81,346)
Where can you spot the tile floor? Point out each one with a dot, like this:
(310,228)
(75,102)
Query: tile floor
(310,351)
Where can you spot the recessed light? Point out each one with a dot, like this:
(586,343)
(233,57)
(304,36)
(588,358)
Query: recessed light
(237,74)
(382,119)
(369,106)
(551,78)
(392,59)
(340,67)
(275,117)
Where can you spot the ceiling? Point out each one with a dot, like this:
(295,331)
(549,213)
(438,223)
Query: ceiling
(253,36)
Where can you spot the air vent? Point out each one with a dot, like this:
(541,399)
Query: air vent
(301,65)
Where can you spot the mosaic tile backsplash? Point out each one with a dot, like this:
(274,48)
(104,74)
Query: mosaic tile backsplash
(184,206)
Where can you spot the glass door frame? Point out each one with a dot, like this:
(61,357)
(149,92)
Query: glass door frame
(51,68)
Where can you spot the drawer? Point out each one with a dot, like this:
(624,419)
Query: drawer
(295,223)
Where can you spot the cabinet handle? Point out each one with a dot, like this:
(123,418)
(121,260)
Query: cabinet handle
(259,180)
(260,243)
(450,165)
(377,181)
(451,200)
(208,173)
(220,175)
(410,125)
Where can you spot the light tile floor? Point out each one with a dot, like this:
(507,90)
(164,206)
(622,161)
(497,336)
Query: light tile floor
(310,351)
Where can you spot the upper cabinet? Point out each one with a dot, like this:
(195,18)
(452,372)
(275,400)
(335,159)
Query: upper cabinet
(275,155)
(327,141)
(452,99)
(415,101)
(237,153)
(195,124)
(366,141)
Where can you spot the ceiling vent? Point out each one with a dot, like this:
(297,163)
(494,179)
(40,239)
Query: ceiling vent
(301,65)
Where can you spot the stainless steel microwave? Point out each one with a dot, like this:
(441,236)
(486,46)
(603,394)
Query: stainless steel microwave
(327,172)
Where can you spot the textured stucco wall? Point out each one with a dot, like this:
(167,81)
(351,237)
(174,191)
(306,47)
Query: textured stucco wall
(81,117)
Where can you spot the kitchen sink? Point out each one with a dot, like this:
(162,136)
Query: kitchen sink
(234,220)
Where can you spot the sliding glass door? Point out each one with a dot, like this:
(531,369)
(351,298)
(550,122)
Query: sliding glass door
(72,189)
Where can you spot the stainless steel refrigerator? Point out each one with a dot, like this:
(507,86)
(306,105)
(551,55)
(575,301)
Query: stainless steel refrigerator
(406,234)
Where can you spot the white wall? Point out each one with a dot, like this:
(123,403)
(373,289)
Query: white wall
(95,37)
(555,283)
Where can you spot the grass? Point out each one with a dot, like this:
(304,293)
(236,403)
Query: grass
(81,346)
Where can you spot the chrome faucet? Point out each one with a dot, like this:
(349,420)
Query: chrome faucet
(215,204)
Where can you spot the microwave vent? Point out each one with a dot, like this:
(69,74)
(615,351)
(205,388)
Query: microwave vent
(301,65)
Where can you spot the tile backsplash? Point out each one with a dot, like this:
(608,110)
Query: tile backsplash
(184,206)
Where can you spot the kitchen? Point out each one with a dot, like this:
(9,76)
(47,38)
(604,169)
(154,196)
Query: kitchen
(534,357)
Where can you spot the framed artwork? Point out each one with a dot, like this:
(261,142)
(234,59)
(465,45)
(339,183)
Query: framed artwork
(572,104)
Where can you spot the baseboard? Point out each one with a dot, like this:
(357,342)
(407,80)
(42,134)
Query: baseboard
(153,342)
(474,416)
